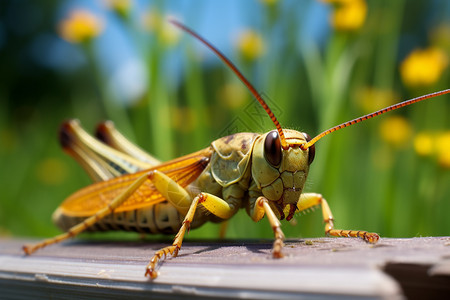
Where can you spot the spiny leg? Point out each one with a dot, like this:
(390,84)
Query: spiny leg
(213,204)
(77,229)
(262,208)
(181,199)
(176,245)
(309,200)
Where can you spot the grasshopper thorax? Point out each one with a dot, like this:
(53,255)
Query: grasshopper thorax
(281,173)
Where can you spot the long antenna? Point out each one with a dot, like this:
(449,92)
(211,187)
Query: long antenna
(244,80)
(370,116)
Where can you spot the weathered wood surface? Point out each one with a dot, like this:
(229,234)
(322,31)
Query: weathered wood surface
(313,268)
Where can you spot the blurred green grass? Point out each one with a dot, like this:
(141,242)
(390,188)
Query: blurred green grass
(370,184)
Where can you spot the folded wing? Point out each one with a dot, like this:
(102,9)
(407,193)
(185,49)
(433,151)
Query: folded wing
(94,197)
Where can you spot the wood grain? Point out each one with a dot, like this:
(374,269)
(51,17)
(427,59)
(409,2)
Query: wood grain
(323,267)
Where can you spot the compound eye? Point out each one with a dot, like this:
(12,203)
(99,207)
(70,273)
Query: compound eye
(272,148)
(312,149)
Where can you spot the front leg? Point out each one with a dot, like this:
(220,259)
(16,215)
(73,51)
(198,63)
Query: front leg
(260,208)
(309,200)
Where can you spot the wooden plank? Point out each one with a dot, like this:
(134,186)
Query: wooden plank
(324,267)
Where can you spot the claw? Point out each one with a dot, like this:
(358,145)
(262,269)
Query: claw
(278,254)
(26,249)
(371,237)
(151,273)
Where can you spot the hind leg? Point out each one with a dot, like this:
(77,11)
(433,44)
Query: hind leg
(79,228)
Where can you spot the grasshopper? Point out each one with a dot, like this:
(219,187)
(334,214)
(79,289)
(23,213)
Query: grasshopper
(262,173)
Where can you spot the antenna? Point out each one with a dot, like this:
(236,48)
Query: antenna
(372,115)
(244,80)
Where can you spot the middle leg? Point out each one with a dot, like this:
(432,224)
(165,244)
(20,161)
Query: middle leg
(180,198)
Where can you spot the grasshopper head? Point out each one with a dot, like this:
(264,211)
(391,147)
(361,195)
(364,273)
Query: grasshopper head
(281,173)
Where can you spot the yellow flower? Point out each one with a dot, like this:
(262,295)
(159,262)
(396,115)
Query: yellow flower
(167,34)
(121,7)
(423,67)
(251,45)
(348,15)
(371,99)
(396,131)
(444,160)
(80,26)
(424,144)
(443,149)
(436,144)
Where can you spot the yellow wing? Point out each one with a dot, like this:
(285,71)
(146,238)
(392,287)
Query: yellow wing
(94,197)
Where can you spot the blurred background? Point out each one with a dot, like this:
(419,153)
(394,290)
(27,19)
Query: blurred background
(317,63)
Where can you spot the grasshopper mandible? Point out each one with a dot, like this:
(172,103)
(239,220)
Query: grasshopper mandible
(263,173)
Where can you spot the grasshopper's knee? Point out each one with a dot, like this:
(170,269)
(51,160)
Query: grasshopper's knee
(216,205)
